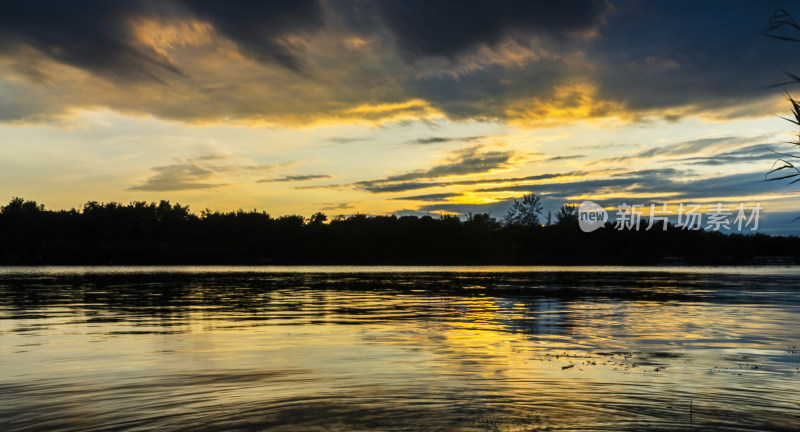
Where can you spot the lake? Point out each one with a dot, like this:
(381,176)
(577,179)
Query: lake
(399,348)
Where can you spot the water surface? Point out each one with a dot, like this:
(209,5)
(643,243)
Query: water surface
(399,348)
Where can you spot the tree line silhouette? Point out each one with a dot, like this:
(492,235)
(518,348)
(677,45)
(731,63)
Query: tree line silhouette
(167,233)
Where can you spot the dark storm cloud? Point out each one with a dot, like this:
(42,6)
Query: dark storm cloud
(485,93)
(258,27)
(443,28)
(711,53)
(92,35)
(98,36)
(530,62)
(665,59)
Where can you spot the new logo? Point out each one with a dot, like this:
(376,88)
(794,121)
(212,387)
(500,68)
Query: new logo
(591,216)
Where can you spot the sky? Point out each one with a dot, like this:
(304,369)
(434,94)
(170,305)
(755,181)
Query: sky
(384,107)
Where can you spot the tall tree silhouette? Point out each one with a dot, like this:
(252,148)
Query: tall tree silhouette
(567,215)
(525,213)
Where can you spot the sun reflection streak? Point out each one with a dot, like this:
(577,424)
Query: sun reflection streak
(561,350)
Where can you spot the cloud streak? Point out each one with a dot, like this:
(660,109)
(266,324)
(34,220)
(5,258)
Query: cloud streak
(180,176)
(464,161)
(409,186)
(200,172)
(428,197)
(635,187)
(295,178)
(706,146)
(442,140)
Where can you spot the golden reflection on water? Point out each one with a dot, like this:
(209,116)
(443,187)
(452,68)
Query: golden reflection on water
(440,353)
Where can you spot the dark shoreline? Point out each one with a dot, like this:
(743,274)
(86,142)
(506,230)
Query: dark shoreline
(168,234)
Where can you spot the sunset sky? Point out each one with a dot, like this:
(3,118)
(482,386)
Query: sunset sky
(384,107)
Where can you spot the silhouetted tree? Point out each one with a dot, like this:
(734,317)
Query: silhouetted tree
(567,215)
(317,218)
(19,206)
(525,213)
(482,220)
(166,233)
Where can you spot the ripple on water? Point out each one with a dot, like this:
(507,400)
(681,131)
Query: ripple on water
(415,350)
